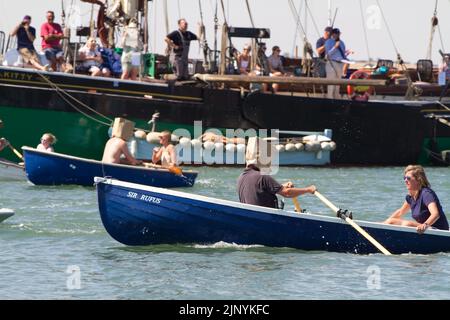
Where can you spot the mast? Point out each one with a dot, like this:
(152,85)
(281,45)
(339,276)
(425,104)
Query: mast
(329,12)
(216,28)
(145,23)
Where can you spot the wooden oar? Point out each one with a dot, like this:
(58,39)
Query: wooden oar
(15,151)
(297,205)
(172,169)
(352,223)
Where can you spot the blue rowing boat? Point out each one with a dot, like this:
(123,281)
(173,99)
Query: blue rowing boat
(51,168)
(141,215)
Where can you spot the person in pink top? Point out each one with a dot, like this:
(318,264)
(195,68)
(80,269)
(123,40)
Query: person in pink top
(51,34)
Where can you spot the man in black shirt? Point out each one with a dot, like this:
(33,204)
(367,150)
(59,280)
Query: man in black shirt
(25,37)
(320,49)
(179,41)
(261,189)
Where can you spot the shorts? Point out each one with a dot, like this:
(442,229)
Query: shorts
(28,55)
(53,53)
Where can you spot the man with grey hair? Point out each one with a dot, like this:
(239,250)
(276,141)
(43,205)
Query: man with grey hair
(260,189)
(179,41)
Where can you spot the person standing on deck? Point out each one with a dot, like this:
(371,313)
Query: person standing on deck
(179,41)
(336,54)
(421,201)
(260,189)
(320,49)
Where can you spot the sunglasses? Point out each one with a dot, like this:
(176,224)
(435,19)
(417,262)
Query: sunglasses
(407,178)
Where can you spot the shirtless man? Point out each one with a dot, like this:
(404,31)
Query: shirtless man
(114,148)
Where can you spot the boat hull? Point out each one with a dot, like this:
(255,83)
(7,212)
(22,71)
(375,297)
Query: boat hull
(137,215)
(5,214)
(49,168)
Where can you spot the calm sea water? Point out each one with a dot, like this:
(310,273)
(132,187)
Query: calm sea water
(57,231)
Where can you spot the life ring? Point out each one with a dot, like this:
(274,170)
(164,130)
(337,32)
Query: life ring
(359,92)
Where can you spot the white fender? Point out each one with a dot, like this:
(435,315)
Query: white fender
(153,137)
(230,147)
(185,142)
(218,146)
(196,143)
(240,147)
(299,146)
(290,147)
(333,145)
(280,147)
(312,146)
(140,134)
(326,146)
(209,145)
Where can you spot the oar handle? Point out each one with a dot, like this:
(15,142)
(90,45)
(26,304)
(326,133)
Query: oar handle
(297,205)
(15,151)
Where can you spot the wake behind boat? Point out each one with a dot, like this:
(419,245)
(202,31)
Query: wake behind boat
(140,215)
(11,171)
(51,168)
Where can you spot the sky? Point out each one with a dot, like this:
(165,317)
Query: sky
(408,21)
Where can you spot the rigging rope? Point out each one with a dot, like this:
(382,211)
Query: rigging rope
(434,23)
(296,29)
(61,93)
(250,13)
(440,37)
(312,19)
(388,29)
(297,18)
(365,31)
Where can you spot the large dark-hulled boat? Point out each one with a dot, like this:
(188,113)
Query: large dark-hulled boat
(369,133)
(79,110)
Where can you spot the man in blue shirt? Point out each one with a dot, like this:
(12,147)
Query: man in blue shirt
(335,53)
(25,37)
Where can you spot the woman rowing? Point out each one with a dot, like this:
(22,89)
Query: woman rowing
(422,201)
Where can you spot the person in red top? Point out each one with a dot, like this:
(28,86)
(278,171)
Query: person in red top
(52,34)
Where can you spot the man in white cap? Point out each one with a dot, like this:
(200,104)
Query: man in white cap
(260,189)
